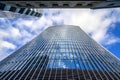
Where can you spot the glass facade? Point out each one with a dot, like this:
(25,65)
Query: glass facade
(61,53)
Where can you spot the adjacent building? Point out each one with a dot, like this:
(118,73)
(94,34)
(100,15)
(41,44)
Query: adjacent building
(9,11)
(61,53)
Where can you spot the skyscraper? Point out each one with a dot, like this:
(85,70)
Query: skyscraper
(61,53)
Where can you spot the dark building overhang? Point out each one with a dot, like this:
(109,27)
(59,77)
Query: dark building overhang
(31,7)
(93,4)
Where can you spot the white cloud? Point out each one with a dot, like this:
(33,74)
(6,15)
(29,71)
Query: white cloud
(34,24)
(6,44)
(89,21)
(3,33)
(112,40)
(43,22)
(10,32)
(2,54)
(96,22)
(14,32)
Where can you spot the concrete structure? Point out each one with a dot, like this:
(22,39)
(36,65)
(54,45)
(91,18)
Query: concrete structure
(61,53)
(93,4)
(22,8)
(8,11)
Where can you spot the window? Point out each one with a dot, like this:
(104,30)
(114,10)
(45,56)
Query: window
(13,9)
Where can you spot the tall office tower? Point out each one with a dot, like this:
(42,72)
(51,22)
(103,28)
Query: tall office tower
(93,4)
(8,11)
(61,53)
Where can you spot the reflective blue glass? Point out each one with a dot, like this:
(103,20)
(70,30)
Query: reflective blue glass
(62,52)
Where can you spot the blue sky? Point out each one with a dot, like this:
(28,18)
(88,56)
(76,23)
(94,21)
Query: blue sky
(102,25)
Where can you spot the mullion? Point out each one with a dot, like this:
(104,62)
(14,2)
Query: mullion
(80,64)
(86,54)
(112,66)
(57,43)
(9,68)
(34,57)
(97,61)
(46,68)
(40,64)
(7,64)
(86,66)
(91,64)
(30,54)
(28,61)
(76,60)
(73,53)
(11,72)
(107,65)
